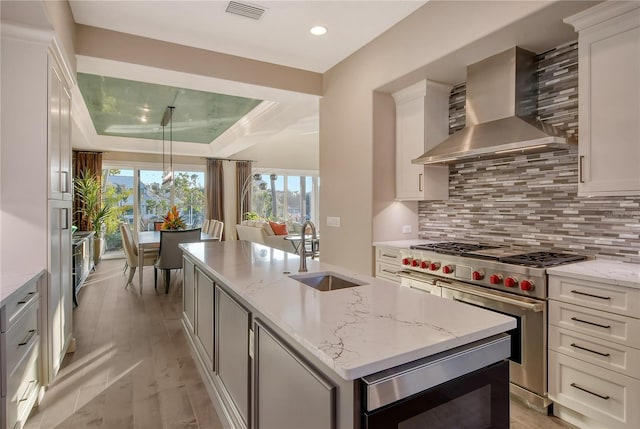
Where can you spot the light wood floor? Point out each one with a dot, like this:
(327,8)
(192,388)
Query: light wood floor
(132,367)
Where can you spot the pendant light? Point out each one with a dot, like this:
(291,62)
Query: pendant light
(167,173)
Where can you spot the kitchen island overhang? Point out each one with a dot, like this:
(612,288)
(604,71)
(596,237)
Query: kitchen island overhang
(345,334)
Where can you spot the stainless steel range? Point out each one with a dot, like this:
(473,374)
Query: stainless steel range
(510,281)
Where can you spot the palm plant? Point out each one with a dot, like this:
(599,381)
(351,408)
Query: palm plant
(95,213)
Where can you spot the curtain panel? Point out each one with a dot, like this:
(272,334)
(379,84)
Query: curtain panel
(81,161)
(243,196)
(214,189)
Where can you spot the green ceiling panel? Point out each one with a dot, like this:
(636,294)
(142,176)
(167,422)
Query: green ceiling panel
(126,108)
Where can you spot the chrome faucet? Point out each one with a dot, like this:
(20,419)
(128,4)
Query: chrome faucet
(303,250)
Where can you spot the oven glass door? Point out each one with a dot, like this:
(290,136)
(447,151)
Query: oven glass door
(478,400)
(528,339)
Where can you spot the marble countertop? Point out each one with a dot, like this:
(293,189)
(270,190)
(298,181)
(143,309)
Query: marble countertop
(11,282)
(356,331)
(602,270)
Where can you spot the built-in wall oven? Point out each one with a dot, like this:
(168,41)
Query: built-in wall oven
(505,280)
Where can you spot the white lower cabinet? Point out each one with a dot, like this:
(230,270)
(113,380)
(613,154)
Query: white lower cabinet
(604,396)
(20,357)
(594,353)
(388,263)
(282,377)
(232,352)
(189,295)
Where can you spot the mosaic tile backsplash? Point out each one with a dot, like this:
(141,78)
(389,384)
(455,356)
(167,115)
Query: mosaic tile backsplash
(531,200)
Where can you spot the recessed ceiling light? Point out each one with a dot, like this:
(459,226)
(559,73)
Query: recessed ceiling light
(143,118)
(318,30)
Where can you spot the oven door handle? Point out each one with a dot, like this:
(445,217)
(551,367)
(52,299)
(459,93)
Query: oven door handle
(536,307)
(421,278)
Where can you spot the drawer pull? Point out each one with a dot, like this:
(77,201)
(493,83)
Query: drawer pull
(589,350)
(27,391)
(389,256)
(26,340)
(577,292)
(591,323)
(605,397)
(25,299)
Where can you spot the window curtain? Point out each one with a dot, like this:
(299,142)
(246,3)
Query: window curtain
(243,172)
(91,161)
(215,190)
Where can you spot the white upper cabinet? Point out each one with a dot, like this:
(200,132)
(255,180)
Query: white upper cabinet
(422,121)
(609,106)
(59,134)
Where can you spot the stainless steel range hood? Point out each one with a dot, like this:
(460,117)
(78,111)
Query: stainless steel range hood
(500,113)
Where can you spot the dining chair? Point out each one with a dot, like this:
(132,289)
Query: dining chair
(131,252)
(205,225)
(212,226)
(170,256)
(217,230)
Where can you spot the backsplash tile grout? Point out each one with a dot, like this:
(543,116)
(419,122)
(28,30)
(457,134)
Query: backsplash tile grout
(532,200)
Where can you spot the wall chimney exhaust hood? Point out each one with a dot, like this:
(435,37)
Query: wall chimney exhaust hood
(500,113)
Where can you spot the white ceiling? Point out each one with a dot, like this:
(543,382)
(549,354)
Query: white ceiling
(281,36)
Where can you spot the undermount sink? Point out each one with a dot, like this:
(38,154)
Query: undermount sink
(326,281)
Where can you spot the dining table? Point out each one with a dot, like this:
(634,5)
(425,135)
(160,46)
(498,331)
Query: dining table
(151,240)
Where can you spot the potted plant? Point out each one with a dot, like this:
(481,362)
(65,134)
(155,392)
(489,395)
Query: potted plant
(95,212)
(173,220)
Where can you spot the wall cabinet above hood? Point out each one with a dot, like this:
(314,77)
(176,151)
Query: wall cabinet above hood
(422,118)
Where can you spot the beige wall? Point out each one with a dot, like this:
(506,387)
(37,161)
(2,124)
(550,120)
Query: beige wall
(299,154)
(127,48)
(61,19)
(350,142)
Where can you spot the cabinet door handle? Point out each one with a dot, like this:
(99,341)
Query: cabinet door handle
(581,169)
(590,323)
(577,292)
(605,397)
(25,299)
(26,340)
(420,181)
(66,219)
(65,181)
(589,350)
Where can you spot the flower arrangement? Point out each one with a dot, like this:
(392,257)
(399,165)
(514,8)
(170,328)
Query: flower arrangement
(173,220)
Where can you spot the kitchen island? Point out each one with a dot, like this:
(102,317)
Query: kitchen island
(272,349)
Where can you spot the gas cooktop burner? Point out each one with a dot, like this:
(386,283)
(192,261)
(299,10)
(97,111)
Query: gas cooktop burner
(452,248)
(542,259)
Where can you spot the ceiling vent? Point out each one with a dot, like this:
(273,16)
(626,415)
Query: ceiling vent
(245,9)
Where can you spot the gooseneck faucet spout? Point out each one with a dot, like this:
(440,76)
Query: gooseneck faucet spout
(303,251)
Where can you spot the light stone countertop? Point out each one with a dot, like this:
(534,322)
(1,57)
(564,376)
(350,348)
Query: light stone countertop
(602,270)
(403,244)
(11,282)
(356,331)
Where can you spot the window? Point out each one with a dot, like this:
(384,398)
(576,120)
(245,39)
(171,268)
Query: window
(139,198)
(286,198)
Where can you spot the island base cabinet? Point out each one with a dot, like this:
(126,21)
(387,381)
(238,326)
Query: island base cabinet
(188,294)
(233,367)
(204,308)
(281,377)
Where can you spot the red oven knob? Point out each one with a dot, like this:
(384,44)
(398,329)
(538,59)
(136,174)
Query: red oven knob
(424,265)
(495,279)
(406,261)
(434,266)
(415,262)
(510,282)
(526,285)
(447,269)
(479,275)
